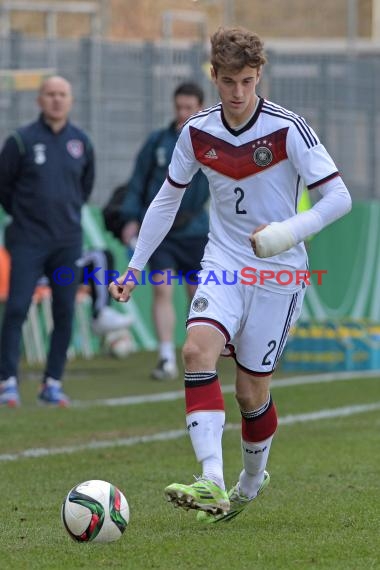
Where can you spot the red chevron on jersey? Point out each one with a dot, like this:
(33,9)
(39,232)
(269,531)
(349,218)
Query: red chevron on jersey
(239,161)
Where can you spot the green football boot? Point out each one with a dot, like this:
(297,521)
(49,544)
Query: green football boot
(238,502)
(203,495)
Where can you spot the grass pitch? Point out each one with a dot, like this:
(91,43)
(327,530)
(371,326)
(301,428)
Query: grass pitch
(321,510)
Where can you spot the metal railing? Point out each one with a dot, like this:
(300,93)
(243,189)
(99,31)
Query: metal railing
(124,90)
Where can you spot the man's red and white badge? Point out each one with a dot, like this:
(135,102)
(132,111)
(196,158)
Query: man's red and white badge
(75,148)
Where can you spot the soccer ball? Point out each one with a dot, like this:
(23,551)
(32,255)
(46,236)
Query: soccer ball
(95,511)
(120,343)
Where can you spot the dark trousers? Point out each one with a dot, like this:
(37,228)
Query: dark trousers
(28,263)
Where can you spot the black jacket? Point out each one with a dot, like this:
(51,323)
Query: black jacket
(45,178)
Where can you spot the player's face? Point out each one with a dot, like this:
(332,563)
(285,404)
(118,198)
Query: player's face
(185,106)
(237,92)
(55,99)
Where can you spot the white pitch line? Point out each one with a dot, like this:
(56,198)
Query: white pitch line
(176,434)
(227,389)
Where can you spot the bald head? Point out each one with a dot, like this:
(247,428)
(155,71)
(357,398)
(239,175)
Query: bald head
(54,82)
(55,100)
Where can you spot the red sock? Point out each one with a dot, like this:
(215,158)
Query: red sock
(202,392)
(260,427)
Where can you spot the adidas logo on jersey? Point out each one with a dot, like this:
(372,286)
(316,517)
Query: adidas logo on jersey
(211,153)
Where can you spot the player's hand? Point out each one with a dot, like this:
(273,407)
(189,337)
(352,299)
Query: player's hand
(272,239)
(121,288)
(252,237)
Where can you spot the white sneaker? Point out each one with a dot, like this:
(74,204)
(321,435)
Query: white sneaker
(51,393)
(9,395)
(110,320)
(165,370)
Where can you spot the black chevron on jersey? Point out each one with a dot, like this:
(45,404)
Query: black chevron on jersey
(204,113)
(299,122)
(238,162)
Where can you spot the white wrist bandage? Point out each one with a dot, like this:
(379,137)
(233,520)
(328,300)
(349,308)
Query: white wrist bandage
(273,239)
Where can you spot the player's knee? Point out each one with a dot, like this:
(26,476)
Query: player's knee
(244,401)
(198,357)
(191,353)
(251,399)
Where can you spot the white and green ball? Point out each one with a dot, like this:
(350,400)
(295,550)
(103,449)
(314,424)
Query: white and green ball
(95,511)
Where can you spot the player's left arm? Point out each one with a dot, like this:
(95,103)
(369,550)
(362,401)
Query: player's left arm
(278,237)
(318,170)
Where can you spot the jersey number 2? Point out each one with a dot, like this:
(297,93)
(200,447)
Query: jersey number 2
(271,346)
(240,195)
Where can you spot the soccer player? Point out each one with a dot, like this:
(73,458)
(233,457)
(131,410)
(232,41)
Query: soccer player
(257,156)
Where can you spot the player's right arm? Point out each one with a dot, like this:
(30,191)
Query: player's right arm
(160,215)
(157,222)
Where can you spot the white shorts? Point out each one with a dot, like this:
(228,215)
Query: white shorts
(254,321)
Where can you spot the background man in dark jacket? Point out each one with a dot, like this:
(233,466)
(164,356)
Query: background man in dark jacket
(46,174)
(182,249)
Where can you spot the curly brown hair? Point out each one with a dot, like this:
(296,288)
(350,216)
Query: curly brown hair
(234,48)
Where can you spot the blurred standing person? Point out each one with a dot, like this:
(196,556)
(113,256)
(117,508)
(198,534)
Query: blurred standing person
(46,174)
(182,249)
(105,319)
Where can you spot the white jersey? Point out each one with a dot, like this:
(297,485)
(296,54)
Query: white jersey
(256,175)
